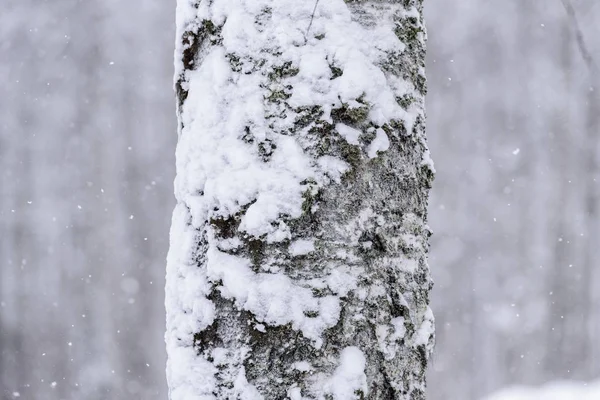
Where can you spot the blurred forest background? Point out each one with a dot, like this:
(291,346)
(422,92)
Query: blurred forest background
(87,142)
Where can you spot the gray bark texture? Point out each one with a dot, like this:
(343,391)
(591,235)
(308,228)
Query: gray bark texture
(371,223)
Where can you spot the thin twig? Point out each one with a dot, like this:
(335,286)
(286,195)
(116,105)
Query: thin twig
(311,20)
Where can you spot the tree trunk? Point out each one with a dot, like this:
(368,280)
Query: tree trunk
(297,266)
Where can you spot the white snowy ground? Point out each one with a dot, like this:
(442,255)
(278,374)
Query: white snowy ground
(551,391)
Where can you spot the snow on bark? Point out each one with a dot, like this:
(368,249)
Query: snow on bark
(297,266)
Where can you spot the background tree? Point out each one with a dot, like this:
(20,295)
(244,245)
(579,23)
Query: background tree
(510,88)
(84,122)
(298,266)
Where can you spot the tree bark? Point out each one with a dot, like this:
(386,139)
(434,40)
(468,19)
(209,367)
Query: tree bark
(297,266)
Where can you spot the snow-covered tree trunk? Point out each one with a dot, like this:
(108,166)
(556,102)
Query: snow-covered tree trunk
(297,266)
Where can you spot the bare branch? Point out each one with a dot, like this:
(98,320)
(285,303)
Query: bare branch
(585,53)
